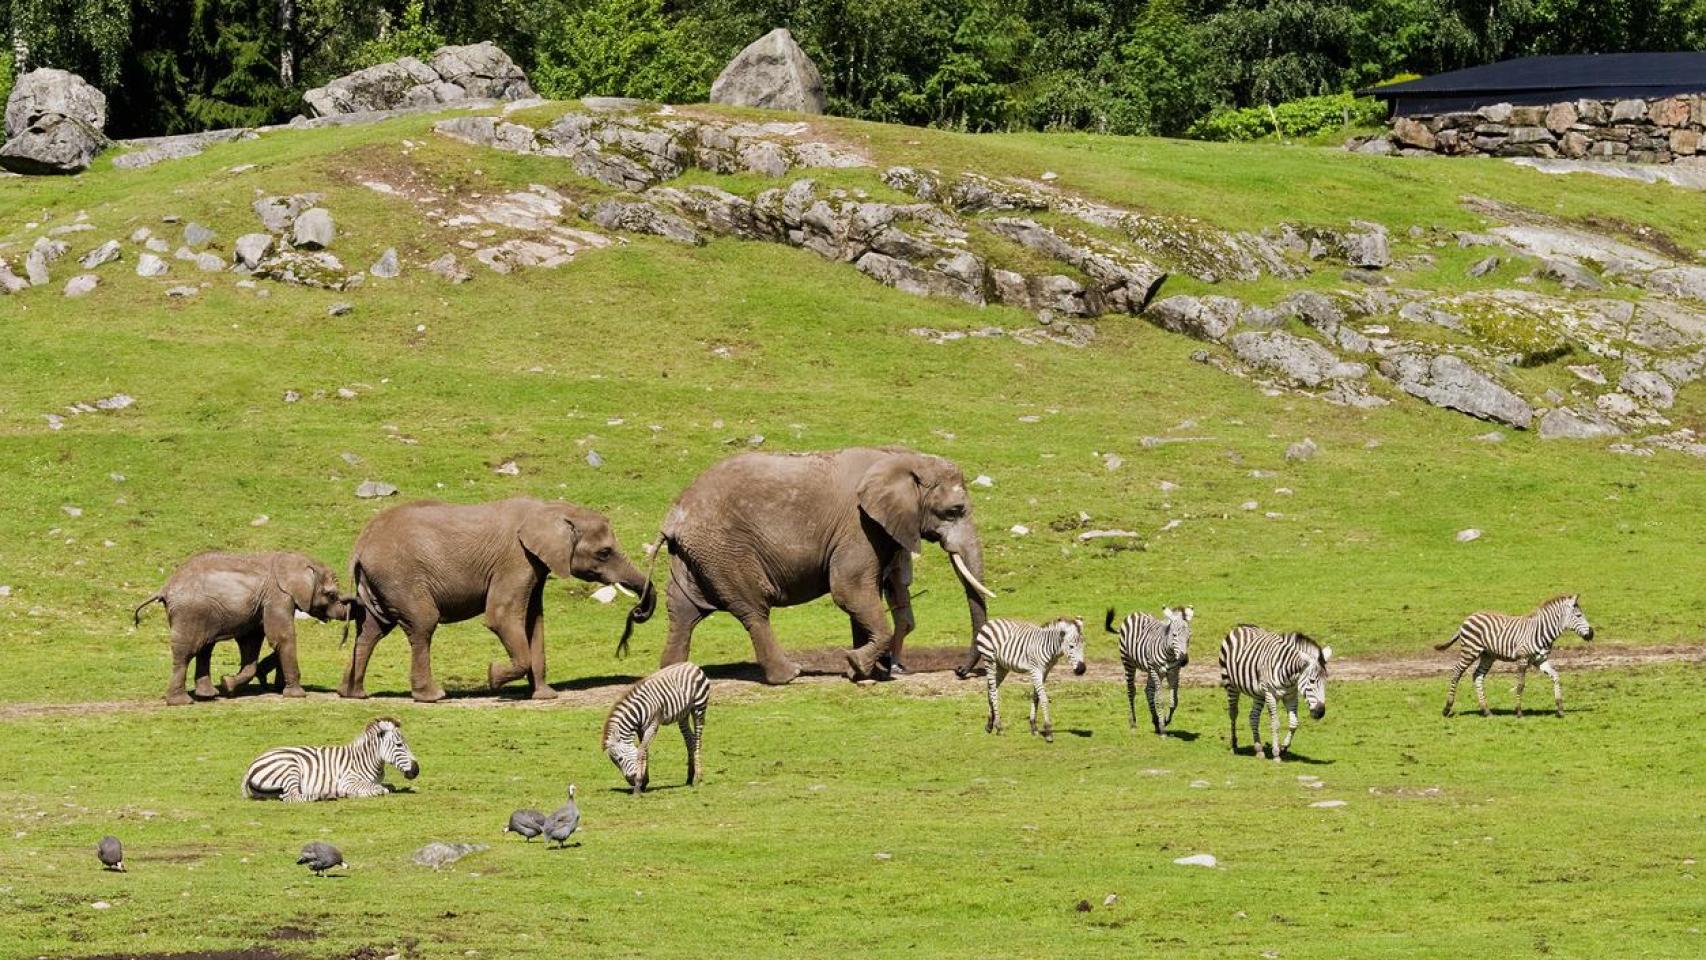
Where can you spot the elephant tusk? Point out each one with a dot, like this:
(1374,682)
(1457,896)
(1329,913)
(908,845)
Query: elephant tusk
(625,591)
(965,572)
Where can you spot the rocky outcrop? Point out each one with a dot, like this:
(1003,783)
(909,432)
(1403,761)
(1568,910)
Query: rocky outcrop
(1662,130)
(147,152)
(1206,318)
(1301,362)
(773,73)
(1562,423)
(53,123)
(1445,380)
(451,75)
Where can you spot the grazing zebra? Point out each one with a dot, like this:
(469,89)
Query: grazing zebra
(1158,647)
(1273,669)
(1017,646)
(298,774)
(677,694)
(1488,636)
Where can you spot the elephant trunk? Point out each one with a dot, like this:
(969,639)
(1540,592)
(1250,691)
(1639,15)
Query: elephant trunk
(968,564)
(640,612)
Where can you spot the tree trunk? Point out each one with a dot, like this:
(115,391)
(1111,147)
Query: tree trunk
(287,42)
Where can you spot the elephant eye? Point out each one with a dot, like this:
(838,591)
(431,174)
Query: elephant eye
(603,554)
(955,512)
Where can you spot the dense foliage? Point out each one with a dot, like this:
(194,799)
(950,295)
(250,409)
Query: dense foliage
(1124,66)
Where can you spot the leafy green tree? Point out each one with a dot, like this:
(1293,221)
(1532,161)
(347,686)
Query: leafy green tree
(624,48)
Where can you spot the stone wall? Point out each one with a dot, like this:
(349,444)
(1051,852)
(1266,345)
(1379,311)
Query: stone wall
(1671,130)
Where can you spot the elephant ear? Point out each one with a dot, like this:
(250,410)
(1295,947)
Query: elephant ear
(299,581)
(550,536)
(890,493)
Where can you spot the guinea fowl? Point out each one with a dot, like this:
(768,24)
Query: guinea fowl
(564,821)
(528,823)
(111,853)
(321,857)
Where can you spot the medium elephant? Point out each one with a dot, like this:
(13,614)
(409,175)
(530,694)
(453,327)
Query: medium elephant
(759,531)
(426,563)
(248,597)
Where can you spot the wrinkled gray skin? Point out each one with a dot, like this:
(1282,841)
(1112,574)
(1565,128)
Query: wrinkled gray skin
(759,531)
(427,563)
(249,597)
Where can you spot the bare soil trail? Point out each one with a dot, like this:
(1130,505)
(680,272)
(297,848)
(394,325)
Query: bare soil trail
(931,675)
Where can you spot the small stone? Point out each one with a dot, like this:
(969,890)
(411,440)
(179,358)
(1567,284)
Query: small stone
(5,590)
(140,235)
(1019,530)
(1327,804)
(260,521)
(983,480)
(100,905)
(105,253)
(350,458)
(180,292)
(882,856)
(593,459)
(1197,860)
(197,235)
(1484,266)
(291,396)
(386,266)
(1199,784)
(439,854)
(252,248)
(1166,486)
(1248,505)
(1304,449)
(1491,436)
(339,309)
(72,511)
(1112,461)
(1050,175)
(148,265)
(508,468)
(1110,899)
(81,284)
(373,489)
(313,229)
(1465,536)
(345,393)
(157,244)
(756,440)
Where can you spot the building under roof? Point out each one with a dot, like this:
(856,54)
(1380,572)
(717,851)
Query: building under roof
(1543,80)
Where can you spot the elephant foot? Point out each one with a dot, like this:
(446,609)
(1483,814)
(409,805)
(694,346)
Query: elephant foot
(294,691)
(428,695)
(498,674)
(349,692)
(781,672)
(178,699)
(228,685)
(542,692)
(204,689)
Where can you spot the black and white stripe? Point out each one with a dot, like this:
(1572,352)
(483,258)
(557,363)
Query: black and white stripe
(1160,647)
(676,694)
(297,774)
(1273,669)
(1014,646)
(1488,636)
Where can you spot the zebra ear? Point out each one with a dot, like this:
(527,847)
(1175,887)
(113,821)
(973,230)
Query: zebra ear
(1326,654)
(1189,613)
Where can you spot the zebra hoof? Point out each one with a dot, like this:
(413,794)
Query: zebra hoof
(1560,712)
(1446,712)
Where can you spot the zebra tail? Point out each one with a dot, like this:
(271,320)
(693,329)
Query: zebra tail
(1108,624)
(136,615)
(1454,638)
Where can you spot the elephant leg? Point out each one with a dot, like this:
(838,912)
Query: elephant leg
(684,615)
(864,605)
(536,645)
(507,626)
(778,669)
(281,631)
(248,657)
(421,685)
(204,673)
(368,632)
(184,646)
(897,591)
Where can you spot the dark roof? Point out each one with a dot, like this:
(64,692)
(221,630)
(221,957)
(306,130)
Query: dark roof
(1536,80)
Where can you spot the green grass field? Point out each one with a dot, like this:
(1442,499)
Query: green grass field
(1570,837)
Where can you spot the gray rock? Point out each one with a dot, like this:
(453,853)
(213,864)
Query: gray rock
(1302,450)
(1484,266)
(105,253)
(1447,381)
(1468,536)
(1206,318)
(313,229)
(374,489)
(641,217)
(1616,404)
(773,73)
(439,854)
(339,309)
(11,282)
(149,265)
(478,71)
(1562,423)
(182,292)
(1368,247)
(481,69)
(1301,361)
(386,266)
(252,248)
(53,123)
(81,284)
(197,235)
(1649,386)
(450,269)
(1571,274)
(209,262)
(277,213)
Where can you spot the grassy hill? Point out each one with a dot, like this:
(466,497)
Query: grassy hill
(664,358)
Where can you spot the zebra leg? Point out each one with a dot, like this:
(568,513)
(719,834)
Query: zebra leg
(996,674)
(1457,675)
(1547,668)
(1521,679)
(1131,692)
(1039,696)
(1273,722)
(1149,688)
(692,731)
(1290,720)
(1256,724)
(1232,712)
(1173,697)
(1481,668)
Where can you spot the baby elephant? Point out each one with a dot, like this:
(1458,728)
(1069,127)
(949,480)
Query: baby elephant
(248,597)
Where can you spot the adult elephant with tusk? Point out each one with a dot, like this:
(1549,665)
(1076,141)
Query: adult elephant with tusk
(759,531)
(426,563)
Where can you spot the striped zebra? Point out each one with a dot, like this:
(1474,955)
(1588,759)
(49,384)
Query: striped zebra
(1016,646)
(676,694)
(1488,636)
(1273,669)
(1160,648)
(298,774)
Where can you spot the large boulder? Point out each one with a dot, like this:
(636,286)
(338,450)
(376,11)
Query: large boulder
(478,71)
(774,73)
(53,123)
(1300,361)
(1448,381)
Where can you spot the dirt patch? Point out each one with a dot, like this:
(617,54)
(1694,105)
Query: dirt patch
(247,953)
(1639,234)
(292,933)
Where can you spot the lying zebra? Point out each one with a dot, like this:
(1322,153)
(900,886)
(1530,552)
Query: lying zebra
(1273,669)
(1017,646)
(299,774)
(1488,636)
(1158,647)
(676,694)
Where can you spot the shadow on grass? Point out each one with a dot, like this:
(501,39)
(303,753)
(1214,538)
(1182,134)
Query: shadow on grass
(1185,735)
(629,791)
(1291,756)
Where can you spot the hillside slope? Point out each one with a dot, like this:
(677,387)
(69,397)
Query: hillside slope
(250,414)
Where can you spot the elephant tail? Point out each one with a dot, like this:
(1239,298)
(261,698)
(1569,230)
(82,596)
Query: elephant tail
(363,604)
(136,615)
(1108,624)
(644,607)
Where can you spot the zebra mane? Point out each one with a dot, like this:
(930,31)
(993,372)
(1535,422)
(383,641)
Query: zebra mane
(610,718)
(1557,600)
(374,724)
(1308,644)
